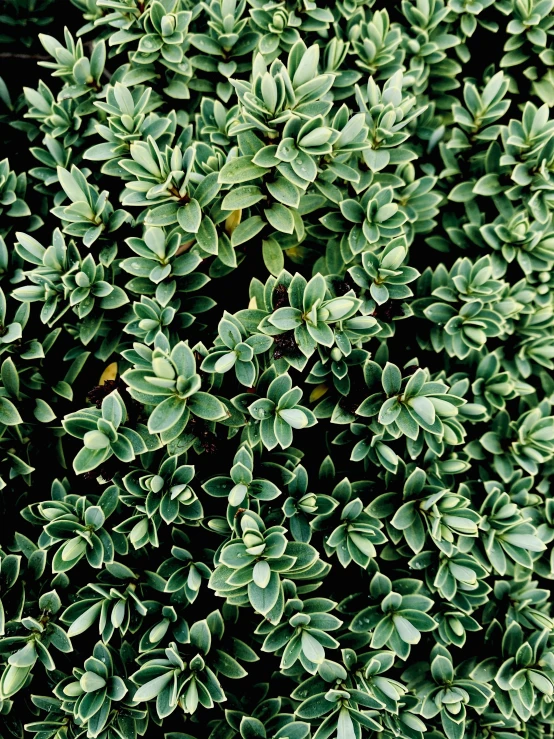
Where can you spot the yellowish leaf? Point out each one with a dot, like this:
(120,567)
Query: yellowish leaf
(110,373)
(232,221)
(318,392)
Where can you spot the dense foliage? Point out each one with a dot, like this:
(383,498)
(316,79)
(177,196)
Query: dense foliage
(276,335)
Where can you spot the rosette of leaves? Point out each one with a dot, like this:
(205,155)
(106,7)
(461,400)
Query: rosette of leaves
(167,380)
(233,348)
(301,506)
(63,280)
(277,93)
(131,24)
(164,34)
(398,619)
(477,121)
(250,567)
(470,17)
(11,331)
(520,237)
(365,675)
(80,74)
(426,510)
(214,120)
(356,533)
(151,319)
(58,712)
(58,118)
(26,650)
(164,497)
(494,386)
(534,347)
(405,407)
(168,180)
(528,32)
(377,46)
(158,262)
(521,164)
(305,635)
(347,710)
(530,600)
(130,117)
(525,442)
(180,574)
(75,527)
(384,276)
(114,600)
(350,137)
(527,672)
(278,414)
(291,166)
(91,691)
(90,213)
(12,195)
(510,537)
(173,682)
(229,39)
(454,626)
(241,486)
(472,307)
(370,670)
(374,219)
(335,364)
(104,434)
(445,694)
(278,26)
(168,318)
(302,144)
(429,57)
(312,315)
(387,112)
(458,577)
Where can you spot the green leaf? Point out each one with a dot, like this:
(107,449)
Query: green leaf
(206,237)
(280,218)
(240,169)
(263,599)
(391,379)
(242,197)
(166,415)
(207,406)
(153,688)
(190,216)
(9,415)
(284,192)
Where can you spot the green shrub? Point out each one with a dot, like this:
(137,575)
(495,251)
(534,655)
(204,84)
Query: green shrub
(276,338)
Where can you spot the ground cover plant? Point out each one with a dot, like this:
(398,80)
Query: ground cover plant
(276,342)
